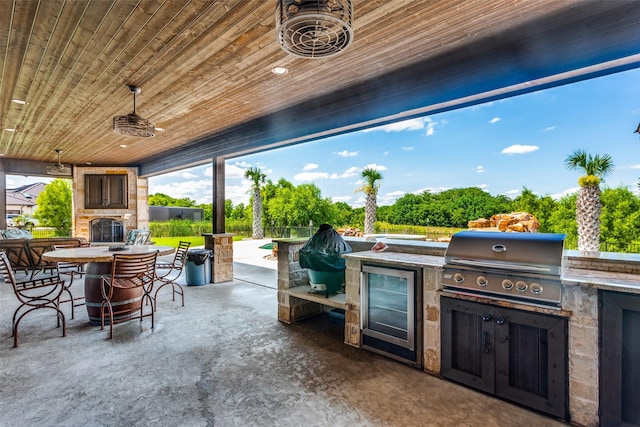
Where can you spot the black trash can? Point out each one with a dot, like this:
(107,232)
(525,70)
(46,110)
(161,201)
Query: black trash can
(198,267)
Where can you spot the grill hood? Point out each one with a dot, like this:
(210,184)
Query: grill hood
(539,253)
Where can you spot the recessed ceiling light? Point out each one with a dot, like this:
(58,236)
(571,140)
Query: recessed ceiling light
(123,145)
(279,70)
(88,163)
(160,129)
(18,101)
(10,129)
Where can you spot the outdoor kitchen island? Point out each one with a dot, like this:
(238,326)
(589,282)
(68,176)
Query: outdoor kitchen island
(596,377)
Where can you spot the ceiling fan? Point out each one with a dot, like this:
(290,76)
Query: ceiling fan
(59,169)
(314,28)
(133,124)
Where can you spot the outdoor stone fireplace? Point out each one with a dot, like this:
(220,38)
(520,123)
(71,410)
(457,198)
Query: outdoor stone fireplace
(106,215)
(106,230)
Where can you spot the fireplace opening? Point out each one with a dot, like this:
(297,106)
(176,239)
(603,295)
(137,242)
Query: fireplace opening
(106,230)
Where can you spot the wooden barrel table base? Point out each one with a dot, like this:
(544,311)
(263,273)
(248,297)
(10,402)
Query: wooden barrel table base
(128,300)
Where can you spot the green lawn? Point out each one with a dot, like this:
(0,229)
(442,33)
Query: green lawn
(173,241)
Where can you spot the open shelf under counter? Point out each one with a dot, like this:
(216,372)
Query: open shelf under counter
(338,300)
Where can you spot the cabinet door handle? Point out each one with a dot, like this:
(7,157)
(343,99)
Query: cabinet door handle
(500,320)
(485,342)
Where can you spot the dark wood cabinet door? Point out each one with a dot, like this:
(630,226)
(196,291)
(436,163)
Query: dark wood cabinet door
(467,343)
(106,191)
(619,359)
(531,359)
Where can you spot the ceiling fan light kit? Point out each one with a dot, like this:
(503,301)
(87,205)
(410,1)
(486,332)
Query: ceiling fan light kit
(132,124)
(314,28)
(59,169)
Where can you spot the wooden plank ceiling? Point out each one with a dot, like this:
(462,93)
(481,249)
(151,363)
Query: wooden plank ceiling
(204,69)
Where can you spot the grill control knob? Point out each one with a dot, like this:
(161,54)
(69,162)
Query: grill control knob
(482,281)
(507,284)
(521,286)
(536,288)
(458,278)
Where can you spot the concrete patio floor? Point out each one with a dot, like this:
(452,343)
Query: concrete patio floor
(221,360)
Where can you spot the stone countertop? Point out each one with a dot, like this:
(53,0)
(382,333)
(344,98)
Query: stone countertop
(599,279)
(606,280)
(398,258)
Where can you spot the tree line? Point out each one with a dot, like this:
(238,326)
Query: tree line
(287,205)
(590,218)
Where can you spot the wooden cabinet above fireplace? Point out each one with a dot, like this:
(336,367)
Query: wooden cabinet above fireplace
(105,191)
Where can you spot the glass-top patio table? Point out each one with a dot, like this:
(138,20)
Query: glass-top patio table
(99,261)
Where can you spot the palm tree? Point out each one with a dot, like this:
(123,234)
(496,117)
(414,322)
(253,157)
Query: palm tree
(588,205)
(257,178)
(370,188)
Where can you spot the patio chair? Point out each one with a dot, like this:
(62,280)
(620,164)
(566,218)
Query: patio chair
(128,272)
(71,270)
(168,272)
(33,293)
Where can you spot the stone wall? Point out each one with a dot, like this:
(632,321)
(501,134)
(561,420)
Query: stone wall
(136,215)
(221,246)
(291,275)
(584,353)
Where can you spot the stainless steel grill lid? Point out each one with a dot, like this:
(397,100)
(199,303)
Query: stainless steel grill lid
(519,252)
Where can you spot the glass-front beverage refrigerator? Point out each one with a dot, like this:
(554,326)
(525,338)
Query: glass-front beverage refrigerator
(391,304)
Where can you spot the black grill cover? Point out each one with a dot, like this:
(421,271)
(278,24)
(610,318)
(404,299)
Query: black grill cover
(323,251)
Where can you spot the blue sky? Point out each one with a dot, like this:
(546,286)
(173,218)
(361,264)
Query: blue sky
(501,147)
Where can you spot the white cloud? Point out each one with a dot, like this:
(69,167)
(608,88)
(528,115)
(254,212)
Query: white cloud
(344,199)
(345,153)
(411,124)
(495,120)
(520,149)
(310,176)
(390,198)
(408,148)
(230,172)
(238,193)
(198,190)
(567,192)
(512,192)
(243,164)
(629,167)
(376,167)
(185,174)
(549,128)
(480,169)
(310,166)
(483,187)
(352,171)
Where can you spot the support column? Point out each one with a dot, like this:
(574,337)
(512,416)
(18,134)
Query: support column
(3,192)
(218,195)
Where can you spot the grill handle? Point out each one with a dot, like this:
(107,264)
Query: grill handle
(499,248)
(489,264)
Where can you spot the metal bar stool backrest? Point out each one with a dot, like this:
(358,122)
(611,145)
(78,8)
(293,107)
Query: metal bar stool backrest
(168,272)
(128,272)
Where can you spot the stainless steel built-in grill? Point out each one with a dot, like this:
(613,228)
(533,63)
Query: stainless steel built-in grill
(521,267)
